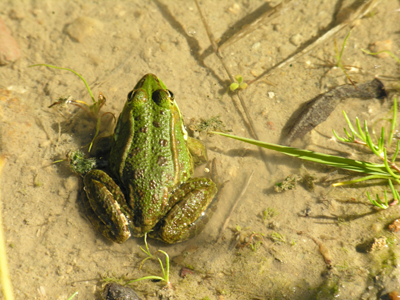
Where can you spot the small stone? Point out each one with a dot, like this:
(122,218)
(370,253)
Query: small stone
(82,27)
(69,269)
(164,46)
(115,291)
(393,295)
(9,50)
(191,31)
(395,226)
(234,9)
(381,46)
(256,46)
(296,39)
(277,27)
(232,171)
(274,225)
(45,144)
(60,271)
(255,73)
(378,244)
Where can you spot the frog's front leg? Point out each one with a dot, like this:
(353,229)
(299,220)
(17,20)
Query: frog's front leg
(189,214)
(106,206)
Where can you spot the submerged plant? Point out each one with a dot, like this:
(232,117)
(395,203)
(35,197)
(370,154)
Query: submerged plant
(239,85)
(165,270)
(339,55)
(388,170)
(93,110)
(383,51)
(73,296)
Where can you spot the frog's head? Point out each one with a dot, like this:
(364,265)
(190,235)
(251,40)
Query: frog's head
(151,88)
(150,91)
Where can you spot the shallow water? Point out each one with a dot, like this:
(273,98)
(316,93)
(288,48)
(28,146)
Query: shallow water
(53,250)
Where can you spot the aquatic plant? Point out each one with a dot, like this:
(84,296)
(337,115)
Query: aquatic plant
(388,170)
(165,270)
(93,110)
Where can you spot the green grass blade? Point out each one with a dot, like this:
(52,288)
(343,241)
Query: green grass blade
(362,135)
(361,179)
(66,69)
(381,141)
(396,152)
(329,160)
(388,168)
(343,46)
(70,298)
(393,123)
(383,51)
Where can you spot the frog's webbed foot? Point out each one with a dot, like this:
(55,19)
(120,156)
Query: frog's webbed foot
(195,202)
(106,206)
(197,150)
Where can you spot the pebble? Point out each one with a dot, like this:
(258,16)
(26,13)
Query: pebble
(234,9)
(82,27)
(395,226)
(381,46)
(164,46)
(115,291)
(393,295)
(9,50)
(255,46)
(296,39)
(377,244)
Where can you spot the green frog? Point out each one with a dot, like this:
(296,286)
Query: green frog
(148,185)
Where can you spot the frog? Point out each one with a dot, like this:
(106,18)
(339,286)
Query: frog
(147,187)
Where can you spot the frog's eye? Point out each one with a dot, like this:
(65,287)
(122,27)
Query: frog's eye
(157,97)
(131,94)
(171,95)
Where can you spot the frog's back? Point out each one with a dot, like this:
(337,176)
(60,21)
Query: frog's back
(150,155)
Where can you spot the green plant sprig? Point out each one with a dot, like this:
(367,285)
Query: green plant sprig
(93,109)
(326,159)
(388,170)
(73,296)
(339,55)
(70,70)
(239,85)
(165,270)
(366,140)
(385,205)
(383,51)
